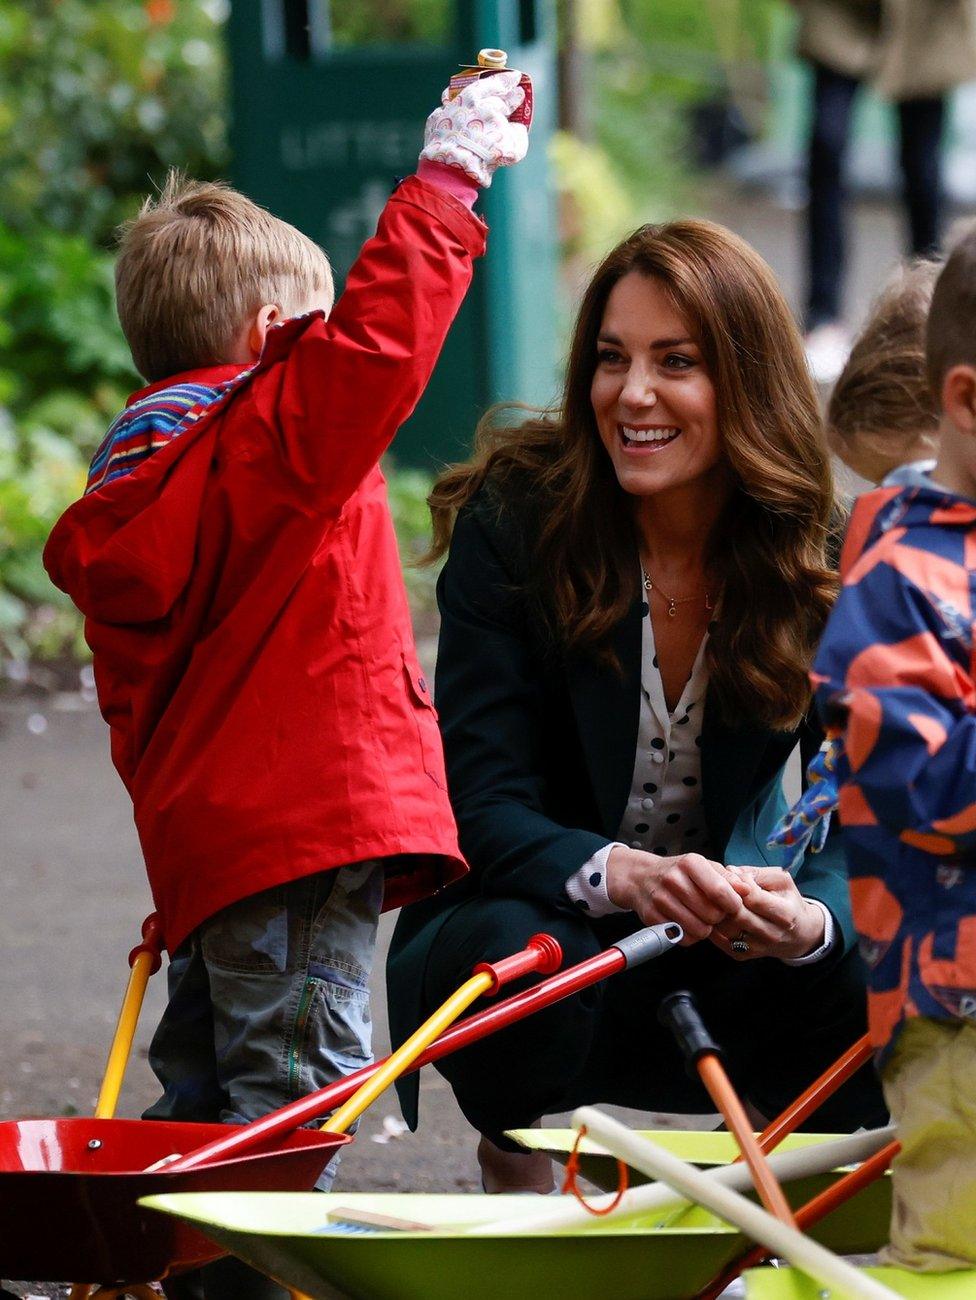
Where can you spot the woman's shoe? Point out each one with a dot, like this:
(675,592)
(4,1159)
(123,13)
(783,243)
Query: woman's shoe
(510,1171)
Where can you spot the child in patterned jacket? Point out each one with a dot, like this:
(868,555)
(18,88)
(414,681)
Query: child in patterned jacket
(895,680)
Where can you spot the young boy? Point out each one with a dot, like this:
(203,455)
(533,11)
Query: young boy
(895,677)
(235,560)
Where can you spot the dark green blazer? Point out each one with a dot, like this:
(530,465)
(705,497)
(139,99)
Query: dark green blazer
(540,757)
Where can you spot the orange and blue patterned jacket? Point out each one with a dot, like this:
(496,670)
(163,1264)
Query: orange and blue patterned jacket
(895,673)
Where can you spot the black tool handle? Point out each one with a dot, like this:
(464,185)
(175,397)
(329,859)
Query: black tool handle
(678,1013)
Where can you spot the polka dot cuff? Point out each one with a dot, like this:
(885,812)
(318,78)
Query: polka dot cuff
(587,889)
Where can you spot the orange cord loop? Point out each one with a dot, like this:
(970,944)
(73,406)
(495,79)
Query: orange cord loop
(572,1172)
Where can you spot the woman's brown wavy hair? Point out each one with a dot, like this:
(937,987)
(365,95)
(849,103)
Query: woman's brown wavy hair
(770,548)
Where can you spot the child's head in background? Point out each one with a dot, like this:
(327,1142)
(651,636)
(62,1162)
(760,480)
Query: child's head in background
(882,412)
(951,356)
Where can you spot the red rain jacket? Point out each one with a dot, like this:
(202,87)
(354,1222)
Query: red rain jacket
(252,642)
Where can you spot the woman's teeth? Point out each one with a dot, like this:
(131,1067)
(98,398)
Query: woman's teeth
(656,436)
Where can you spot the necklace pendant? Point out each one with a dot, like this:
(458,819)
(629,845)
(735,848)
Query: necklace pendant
(671,609)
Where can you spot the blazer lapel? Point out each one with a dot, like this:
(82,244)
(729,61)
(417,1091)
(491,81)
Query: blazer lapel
(606,703)
(730,758)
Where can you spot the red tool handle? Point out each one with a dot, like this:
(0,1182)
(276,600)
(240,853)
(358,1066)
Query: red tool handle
(631,951)
(152,942)
(542,953)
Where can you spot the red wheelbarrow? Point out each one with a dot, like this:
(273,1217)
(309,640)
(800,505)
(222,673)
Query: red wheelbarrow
(87,1174)
(68,1192)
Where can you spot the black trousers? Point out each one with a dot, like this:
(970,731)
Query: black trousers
(780,1026)
(920,123)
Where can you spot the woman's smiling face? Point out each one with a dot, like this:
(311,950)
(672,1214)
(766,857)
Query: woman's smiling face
(652,396)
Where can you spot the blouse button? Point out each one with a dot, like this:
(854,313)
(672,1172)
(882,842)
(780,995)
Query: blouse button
(636,844)
(657,758)
(647,803)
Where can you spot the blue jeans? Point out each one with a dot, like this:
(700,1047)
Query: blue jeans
(268,1001)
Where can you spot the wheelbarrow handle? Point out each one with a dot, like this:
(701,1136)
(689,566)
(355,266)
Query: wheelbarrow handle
(629,952)
(679,1013)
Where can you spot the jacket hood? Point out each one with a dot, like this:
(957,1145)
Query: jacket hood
(124,552)
(904,501)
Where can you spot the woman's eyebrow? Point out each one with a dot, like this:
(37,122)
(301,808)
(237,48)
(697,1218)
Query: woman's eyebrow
(604,337)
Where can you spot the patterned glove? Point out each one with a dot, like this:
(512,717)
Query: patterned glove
(804,828)
(473,133)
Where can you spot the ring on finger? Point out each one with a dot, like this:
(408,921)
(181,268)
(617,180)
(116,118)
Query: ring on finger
(740,943)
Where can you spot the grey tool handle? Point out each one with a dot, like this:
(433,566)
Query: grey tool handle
(652,942)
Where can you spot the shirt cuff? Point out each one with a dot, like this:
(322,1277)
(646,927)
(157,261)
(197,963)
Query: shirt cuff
(830,932)
(587,889)
(452,179)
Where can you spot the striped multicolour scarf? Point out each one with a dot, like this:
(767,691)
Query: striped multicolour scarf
(148,424)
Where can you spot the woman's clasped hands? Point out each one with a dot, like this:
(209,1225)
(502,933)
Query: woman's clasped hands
(747,912)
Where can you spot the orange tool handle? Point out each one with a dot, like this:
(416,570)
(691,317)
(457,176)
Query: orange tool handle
(679,1014)
(720,1090)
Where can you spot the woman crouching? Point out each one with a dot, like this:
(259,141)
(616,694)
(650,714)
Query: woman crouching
(632,596)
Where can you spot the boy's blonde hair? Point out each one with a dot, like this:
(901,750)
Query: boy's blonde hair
(197,263)
(882,412)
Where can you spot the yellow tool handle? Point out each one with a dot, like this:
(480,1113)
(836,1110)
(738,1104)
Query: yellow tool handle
(118,1056)
(407,1053)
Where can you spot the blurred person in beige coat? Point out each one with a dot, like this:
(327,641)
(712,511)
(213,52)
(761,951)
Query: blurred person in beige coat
(912,52)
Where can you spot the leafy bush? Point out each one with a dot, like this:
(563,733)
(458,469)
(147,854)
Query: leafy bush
(64,374)
(408,490)
(97,100)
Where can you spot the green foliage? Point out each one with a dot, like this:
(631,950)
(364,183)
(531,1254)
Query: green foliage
(391,22)
(97,100)
(646,65)
(64,374)
(408,492)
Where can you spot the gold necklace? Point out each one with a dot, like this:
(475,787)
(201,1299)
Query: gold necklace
(672,601)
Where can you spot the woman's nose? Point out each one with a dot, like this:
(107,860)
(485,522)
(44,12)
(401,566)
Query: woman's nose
(638,390)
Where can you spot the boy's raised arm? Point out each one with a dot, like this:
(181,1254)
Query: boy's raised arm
(347,385)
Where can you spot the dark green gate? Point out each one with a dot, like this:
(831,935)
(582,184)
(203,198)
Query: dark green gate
(328,110)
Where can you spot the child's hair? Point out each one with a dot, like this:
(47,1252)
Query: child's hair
(197,263)
(882,411)
(951,338)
